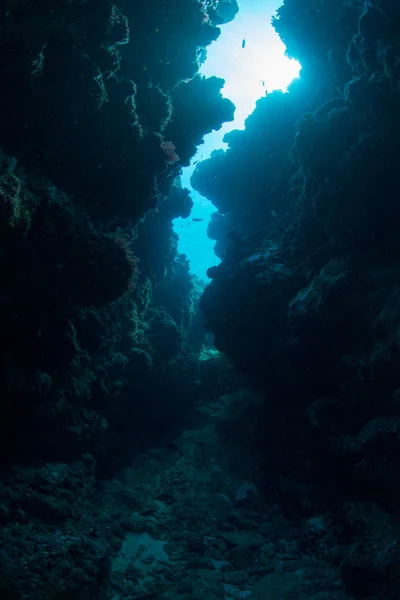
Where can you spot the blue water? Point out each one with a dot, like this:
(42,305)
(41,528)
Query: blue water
(248,73)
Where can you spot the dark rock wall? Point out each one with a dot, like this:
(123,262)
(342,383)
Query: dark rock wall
(306,299)
(101,107)
(96,303)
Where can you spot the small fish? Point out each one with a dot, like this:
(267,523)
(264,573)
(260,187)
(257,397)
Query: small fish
(197,219)
(243,42)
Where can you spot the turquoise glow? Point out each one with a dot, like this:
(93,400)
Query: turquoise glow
(248,72)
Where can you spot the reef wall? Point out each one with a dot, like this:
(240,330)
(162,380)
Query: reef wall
(100,107)
(306,300)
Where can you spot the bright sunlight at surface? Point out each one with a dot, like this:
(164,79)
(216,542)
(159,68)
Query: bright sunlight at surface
(249,72)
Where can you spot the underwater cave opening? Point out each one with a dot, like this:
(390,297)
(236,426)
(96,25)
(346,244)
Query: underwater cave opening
(251,58)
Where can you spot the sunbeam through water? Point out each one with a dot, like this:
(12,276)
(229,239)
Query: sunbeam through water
(250,57)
